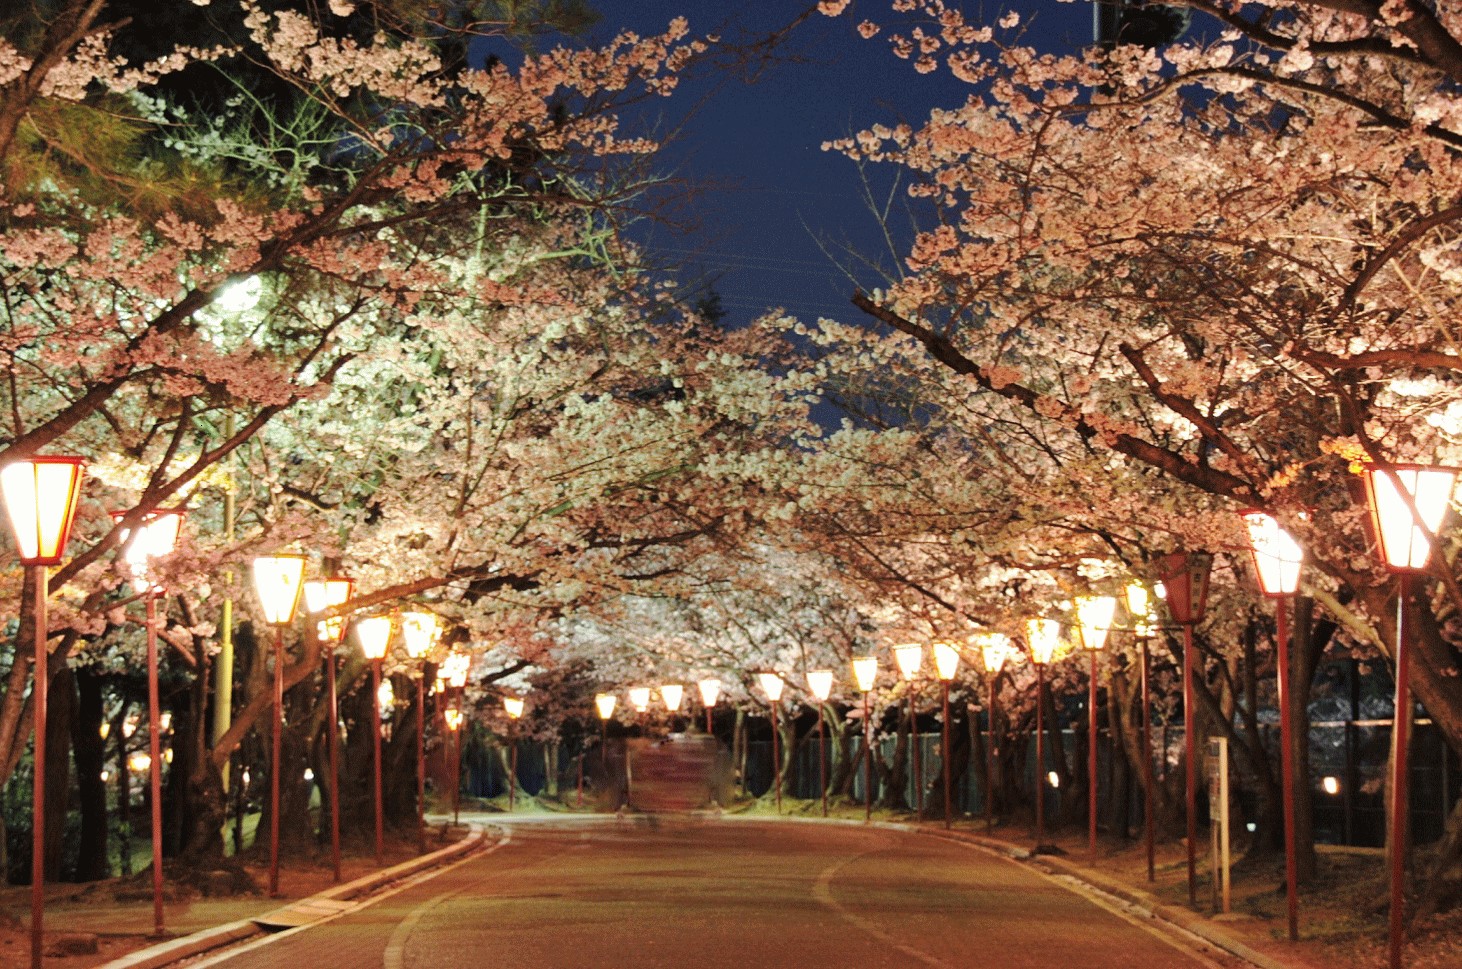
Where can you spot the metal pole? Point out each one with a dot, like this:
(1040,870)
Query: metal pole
(1401,742)
(867,762)
(992,762)
(1286,765)
(1091,757)
(376,739)
(512,765)
(457,773)
(277,748)
(708,723)
(822,758)
(944,756)
(332,735)
(154,750)
(1040,756)
(42,676)
(776,759)
(421,762)
(1149,824)
(580,801)
(1190,768)
(914,744)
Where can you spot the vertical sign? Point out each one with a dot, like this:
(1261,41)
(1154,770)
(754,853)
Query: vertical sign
(1218,821)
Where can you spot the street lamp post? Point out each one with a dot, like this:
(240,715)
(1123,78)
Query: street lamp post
(513,707)
(419,632)
(40,499)
(1043,637)
(155,537)
(1408,503)
(994,651)
(1185,587)
(320,595)
(458,666)
(865,672)
(771,685)
(710,690)
(452,717)
(604,703)
(909,657)
(1277,560)
(1138,607)
(672,695)
(1094,620)
(820,685)
(946,664)
(277,580)
(374,635)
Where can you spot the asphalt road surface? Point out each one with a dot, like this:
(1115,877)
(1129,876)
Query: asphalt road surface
(659,893)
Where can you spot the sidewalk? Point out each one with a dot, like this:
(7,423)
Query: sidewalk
(109,923)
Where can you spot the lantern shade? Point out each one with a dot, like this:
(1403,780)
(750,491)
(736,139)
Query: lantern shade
(458,666)
(865,672)
(278,579)
(374,635)
(820,684)
(1094,619)
(909,657)
(453,717)
(946,660)
(710,688)
(1043,636)
(605,704)
(513,706)
(771,685)
(672,694)
(419,633)
(40,499)
(155,537)
(639,698)
(1277,556)
(994,650)
(1185,584)
(322,594)
(1139,606)
(1405,545)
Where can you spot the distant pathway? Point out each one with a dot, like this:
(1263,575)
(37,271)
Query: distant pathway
(656,893)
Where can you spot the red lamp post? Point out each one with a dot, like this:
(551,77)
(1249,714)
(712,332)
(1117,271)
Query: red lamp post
(1277,560)
(1138,608)
(320,595)
(1408,503)
(1043,638)
(155,537)
(865,673)
(452,717)
(40,499)
(1094,620)
(909,658)
(604,704)
(1185,587)
(820,685)
(513,707)
(419,632)
(458,666)
(772,685)
(946,664)
(374,635)
(710,690)
(278,580)
(995,649)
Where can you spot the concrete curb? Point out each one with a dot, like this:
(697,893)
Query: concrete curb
(175,950)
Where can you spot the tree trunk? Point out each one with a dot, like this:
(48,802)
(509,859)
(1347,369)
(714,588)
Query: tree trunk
(90,788)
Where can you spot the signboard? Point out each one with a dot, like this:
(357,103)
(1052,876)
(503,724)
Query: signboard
(1216,764)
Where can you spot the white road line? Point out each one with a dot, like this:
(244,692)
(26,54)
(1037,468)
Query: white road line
(412,882)
(822,892)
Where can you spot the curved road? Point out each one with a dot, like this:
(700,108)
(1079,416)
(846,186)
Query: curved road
(720,894)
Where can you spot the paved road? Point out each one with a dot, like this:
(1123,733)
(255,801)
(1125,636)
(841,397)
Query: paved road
(689,894)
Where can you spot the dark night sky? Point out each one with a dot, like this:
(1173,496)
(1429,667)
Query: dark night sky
(773,192)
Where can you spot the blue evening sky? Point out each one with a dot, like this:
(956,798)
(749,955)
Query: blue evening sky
(773,193)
